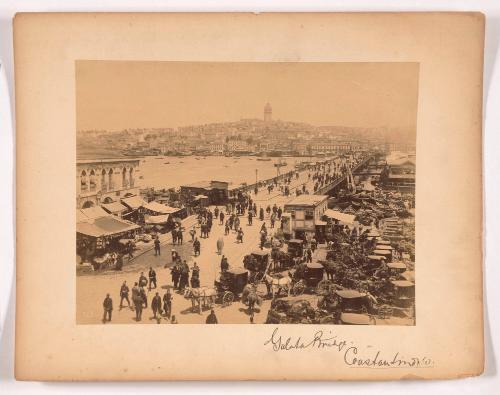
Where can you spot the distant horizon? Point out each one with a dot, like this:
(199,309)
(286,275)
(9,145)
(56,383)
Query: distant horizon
(119,95)
(233,121)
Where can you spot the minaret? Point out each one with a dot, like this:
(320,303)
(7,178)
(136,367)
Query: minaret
(268,113)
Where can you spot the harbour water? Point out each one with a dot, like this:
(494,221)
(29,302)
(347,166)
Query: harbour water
(172,172)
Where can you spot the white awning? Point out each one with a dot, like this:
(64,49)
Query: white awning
(339,216)
(156,219)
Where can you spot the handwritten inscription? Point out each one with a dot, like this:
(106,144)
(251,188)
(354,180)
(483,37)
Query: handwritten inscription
(350,352)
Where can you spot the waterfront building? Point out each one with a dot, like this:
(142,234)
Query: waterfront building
(101,181)
(303,215)
(216,191)
(399,172)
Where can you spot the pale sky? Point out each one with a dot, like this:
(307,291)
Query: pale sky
(114,95)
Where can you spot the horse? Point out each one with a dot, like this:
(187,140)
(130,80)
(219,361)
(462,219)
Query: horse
(200,297)
(249,297)
(279,283)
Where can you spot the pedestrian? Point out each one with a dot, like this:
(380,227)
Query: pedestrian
(239,236)
(196,247)
(250,217)
(180,236)
(262,239)
(143,281)
(220,245)
(211,318)
(221,218)
(152,278)
(108,308)
(174,236)
(124,290)
(314,244)
(156,305)
(280,212)
(224,264)
(175,272)
(157,246)
(216,212)
(175,256)
(184,279)
(144,297)
(273,219)
(309,255)
(227,228)
(130,250)
(167,303)
(261,214)
(195,276)
(137,300)
(192,232)
(236,223)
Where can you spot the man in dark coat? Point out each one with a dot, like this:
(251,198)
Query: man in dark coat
(184,280)
(124,290)
(137,299)
(195,276)
(211,318)
(167,303)
(250,217)
(196,247)
(143,281)
(144,297)
(157,246)
(108,308)
(221,218)
(156,305)
(175,271)
(224,264)
(152,278)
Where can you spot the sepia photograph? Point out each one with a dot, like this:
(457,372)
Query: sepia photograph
(245,192)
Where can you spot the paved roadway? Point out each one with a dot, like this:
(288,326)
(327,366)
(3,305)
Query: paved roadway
(91,289)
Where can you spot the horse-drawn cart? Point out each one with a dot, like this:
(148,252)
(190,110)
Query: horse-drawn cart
(230,285)
(310,276)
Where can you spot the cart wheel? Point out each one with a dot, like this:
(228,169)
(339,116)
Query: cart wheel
(298,289)
(228,298)
(324,287)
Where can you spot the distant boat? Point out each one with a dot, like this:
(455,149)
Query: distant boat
(264,159)
(166,163)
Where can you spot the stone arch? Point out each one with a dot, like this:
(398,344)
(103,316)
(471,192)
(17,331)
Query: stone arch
(131,177)
(103,180)
(124,177)
(110,179)
(88,204)
(92,180)
(83,181)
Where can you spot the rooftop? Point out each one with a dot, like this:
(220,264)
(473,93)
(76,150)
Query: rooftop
(307,200)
